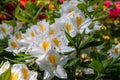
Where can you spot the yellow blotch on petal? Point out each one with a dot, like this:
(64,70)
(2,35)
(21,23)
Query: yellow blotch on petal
(51,32)
(70,10)
(55,41)
(45,45)
(68,27)
(32,34)
(13,76)
(78,21)
(41,27)
(3,29)
(18,36)
(25,73)
(116,50)
(14,44)
(52,58)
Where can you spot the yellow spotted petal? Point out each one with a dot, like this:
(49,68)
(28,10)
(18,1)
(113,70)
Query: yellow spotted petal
(78,21)
(4,30)
(55,41)
(25,73)
(41,27)
(45,45)
(68,27)
(13,44)
(52,58)
(13,76)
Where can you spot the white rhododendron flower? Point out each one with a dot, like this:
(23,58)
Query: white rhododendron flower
(69,6)
(21,72)
(53,64)
(115,51)
(5,30)
(15,46)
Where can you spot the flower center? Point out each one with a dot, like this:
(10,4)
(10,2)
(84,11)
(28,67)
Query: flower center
(78,21)
(116,50)
(41,27)
(52,58)
(14,44)
(13,76)
(68,27)
(51,32)
(18,36)
(70,10)
(32,34)
(55,41)
(3,29)
(24,73)
(45,45)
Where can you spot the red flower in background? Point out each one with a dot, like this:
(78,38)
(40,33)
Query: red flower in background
(9,8)
(61,1)
(113,13)
(117,5)
(23,2)
(107,3)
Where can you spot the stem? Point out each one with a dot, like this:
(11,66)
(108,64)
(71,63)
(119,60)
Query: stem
(98,75)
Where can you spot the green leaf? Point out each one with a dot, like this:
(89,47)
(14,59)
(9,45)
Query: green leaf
(107,62)
(99,7)
(72,62)
(38,12)
(93,44)
(67,53)
(12,22)
(91,26)
(20,17)
(81,6)
(97,66)
(86,42)
(6,74)
(70,39)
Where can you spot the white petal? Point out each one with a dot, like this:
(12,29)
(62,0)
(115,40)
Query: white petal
(33,75)
(48,75)
(4,67)
(60,72)
(63,60)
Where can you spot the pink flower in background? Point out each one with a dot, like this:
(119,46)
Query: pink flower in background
(107,4)
(113,13)
(117,5)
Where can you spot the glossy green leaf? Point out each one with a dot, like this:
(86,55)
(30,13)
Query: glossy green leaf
(108,62)
(91,26)
(86,42)
(92,44)
(81,6)
(97,66)
(70,39)
(72,62)
(18,16)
